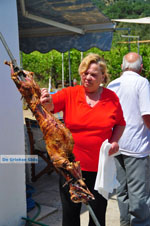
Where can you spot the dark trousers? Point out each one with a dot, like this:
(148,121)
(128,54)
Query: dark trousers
(71,211)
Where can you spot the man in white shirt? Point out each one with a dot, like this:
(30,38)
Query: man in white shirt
(133,169)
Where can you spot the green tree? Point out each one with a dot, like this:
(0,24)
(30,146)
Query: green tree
(129,9)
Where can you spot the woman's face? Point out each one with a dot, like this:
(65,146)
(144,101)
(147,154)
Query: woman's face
(92,78)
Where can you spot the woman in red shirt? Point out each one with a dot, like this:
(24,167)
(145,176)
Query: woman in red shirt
(93,114)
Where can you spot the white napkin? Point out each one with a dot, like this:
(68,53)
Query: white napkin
(106,180)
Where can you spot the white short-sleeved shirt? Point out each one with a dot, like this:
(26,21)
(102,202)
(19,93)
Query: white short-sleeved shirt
(133,91)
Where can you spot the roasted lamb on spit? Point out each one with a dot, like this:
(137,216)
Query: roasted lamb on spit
(58,138)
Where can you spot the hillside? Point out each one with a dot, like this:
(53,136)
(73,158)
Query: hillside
(129,9)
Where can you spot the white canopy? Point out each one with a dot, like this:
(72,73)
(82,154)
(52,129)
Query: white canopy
(145,20)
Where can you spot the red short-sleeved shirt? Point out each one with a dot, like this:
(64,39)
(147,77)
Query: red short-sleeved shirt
(90,126)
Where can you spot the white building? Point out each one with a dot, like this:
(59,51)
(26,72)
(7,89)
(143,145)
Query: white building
(12,176)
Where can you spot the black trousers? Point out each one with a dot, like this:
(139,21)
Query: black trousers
(71,211)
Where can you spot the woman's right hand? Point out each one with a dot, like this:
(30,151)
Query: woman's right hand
(46,100)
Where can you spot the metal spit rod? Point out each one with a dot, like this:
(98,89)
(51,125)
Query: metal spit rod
(93,215)
(8,50)
(13,60)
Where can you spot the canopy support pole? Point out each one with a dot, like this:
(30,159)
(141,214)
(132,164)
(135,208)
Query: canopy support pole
(62,70)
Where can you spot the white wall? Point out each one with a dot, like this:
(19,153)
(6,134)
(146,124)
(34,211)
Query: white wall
(12,176)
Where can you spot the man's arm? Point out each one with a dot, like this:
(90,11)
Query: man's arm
(146,119)
(117,133)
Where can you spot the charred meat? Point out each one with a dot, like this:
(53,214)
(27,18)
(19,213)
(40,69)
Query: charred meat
(58,138)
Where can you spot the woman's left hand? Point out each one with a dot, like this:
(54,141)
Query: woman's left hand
(114,148)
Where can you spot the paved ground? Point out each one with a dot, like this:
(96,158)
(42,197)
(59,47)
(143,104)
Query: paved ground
(47,196)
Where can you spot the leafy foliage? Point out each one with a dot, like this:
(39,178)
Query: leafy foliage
(129,9)
(50,64)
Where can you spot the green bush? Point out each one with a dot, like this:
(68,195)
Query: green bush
(50,64)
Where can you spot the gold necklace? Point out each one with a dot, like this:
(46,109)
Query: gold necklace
(93,101)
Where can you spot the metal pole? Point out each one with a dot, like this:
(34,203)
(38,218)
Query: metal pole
(81,60)
(138,45)
(62,70)
(93,215)
(131,36)
(13,60)
(129,40)
(69,68)
(49,84)
(21,59)
(129,30)
(7,49)
(81,56)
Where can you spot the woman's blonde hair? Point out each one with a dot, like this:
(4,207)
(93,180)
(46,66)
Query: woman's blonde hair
(93,58)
